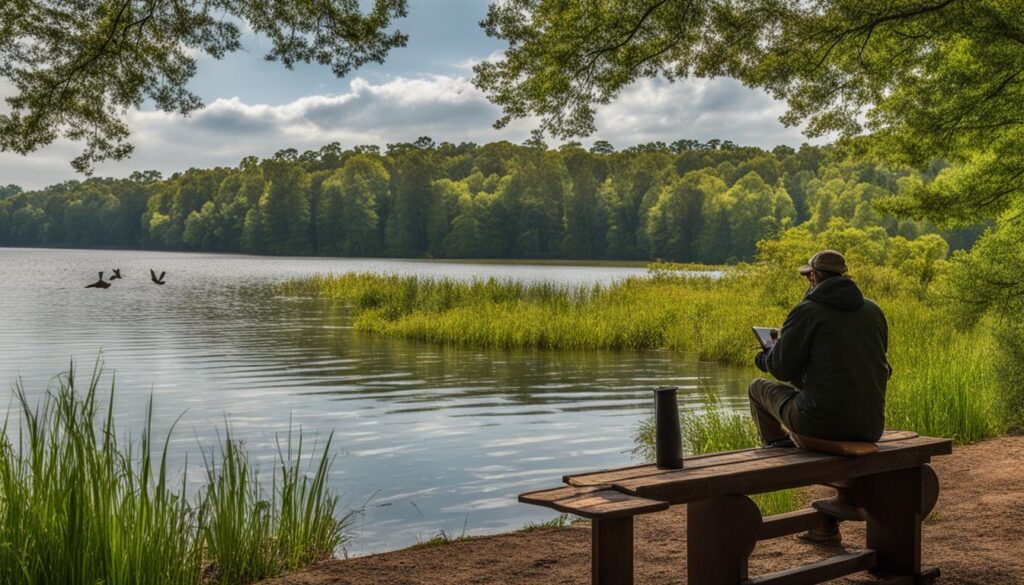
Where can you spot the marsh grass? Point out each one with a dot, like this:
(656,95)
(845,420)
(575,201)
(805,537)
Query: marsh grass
(681,312)
(80,507)
(253,534)
(944,382)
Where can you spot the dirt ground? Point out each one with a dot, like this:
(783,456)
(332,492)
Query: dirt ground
(975,536)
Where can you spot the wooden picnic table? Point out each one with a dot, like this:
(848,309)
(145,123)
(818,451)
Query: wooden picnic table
(894,484)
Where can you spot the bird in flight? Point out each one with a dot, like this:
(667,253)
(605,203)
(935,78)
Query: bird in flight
(156,279)
(99,283)
(116,275)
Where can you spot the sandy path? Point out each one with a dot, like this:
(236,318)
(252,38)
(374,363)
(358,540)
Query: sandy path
(976,536)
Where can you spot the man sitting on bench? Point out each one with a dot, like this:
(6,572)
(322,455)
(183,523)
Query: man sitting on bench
(831,354)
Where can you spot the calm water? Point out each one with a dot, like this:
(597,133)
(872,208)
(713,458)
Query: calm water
(430,438)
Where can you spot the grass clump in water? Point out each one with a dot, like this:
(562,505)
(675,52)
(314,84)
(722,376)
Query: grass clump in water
(682,312)
(79,507)
(714,429)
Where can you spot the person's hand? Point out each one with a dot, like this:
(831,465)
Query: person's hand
(761,360)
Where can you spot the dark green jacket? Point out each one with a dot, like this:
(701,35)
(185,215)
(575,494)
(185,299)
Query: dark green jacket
(832,347)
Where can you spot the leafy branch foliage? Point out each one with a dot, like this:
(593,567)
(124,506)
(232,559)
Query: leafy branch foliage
(930,79)
(78,66)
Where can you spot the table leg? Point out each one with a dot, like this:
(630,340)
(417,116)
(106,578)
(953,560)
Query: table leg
(895,505)
(611,551)
(720,535)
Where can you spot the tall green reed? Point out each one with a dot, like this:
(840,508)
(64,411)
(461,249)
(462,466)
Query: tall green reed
(944,380)
(80,507)
(254,534)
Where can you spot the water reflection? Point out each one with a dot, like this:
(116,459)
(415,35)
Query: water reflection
(434,438)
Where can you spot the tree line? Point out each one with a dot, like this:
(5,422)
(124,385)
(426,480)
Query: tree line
(687,201)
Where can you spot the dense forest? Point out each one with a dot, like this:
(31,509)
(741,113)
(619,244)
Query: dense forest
(688,202)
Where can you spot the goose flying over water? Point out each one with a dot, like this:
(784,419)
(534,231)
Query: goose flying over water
(99,283)
(116,275)
(156,279)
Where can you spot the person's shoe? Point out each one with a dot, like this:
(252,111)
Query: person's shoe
(825,536)
(781,444)
(840,510)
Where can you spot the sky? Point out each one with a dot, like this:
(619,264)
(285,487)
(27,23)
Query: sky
(255,107)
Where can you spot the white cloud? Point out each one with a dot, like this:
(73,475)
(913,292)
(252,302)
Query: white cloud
(402,109)
(467,64)
(701,109)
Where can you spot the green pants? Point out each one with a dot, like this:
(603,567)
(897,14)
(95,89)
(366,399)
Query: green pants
(772,406)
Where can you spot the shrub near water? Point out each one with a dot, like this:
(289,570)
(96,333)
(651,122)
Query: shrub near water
(77,507)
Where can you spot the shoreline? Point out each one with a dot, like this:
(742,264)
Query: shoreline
(973,536)
(567,262)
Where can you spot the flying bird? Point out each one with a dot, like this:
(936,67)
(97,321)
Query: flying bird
(117,274)
(156,279)
(99,283)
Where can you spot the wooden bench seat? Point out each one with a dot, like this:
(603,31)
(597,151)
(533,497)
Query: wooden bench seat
(842,448)
(755,471)
(890,480)
(593,502)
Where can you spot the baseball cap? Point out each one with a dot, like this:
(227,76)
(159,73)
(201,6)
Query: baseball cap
(828,260)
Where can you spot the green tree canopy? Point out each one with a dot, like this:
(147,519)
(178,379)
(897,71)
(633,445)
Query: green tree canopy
(689,204)
(79,65)
(349,224)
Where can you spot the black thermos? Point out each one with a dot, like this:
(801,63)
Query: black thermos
(668,441)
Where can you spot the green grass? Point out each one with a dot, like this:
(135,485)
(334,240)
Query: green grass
(254,535)
(540,262)
(944,382)
(713,429)
(80,507)
(557,523)
(440,539)
(678,312)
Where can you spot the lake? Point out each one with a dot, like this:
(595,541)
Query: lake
(429,438)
